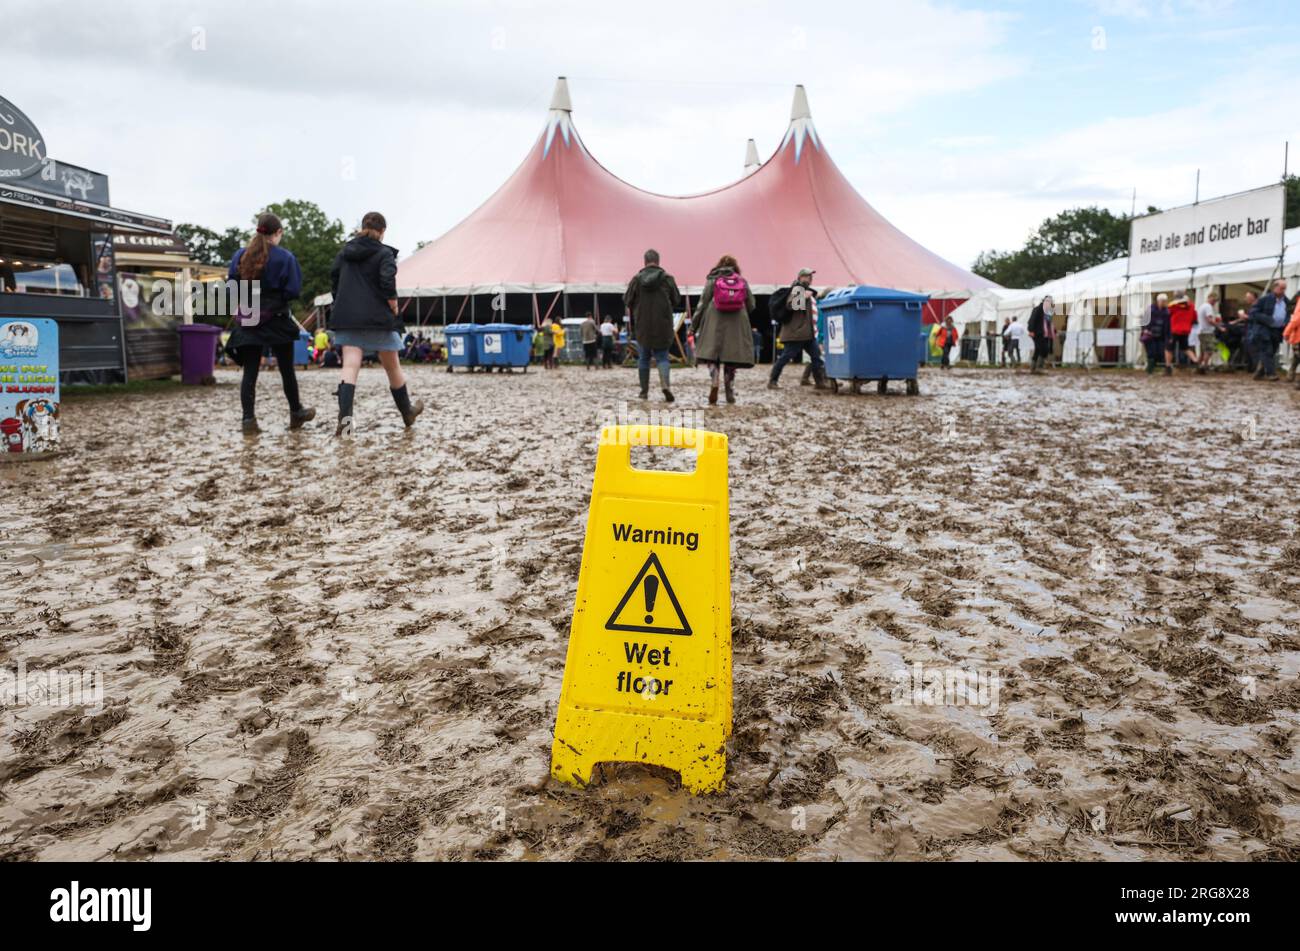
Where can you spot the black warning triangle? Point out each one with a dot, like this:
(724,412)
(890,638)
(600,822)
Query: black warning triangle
(653,597)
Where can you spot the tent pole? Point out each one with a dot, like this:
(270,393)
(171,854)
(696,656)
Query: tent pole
(554,301)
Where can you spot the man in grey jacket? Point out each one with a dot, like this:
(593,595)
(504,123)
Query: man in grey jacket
(652,298)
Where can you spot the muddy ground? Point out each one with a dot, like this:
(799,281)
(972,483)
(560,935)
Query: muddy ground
(315,652)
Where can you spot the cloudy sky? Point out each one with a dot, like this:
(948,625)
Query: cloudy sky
(966,123)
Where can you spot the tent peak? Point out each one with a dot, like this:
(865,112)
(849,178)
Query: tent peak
(799,108)
(801,125)
(752,161)
(560,101)
(560,118)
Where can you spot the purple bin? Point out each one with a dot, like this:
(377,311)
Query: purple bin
(198,353)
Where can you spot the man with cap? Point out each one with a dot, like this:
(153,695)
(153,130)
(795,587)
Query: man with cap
(795,311)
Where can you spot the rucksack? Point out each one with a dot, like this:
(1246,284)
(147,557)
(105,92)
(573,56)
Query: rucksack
(729,293)
(776,305)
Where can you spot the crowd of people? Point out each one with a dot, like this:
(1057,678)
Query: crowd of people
(1251,338)
(719,333)
(1175,333)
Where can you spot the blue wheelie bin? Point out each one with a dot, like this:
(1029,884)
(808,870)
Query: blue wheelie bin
(517,340)
(461,348)
(872,334)
(302,350)
(505,346)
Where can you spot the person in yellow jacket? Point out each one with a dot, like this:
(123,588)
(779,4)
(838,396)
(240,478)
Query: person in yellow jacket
(557,330)
(935,349)
(321,343)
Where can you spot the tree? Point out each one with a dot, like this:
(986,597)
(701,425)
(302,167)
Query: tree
(1074,240)
(208,247)
(314,238)
(1292,201)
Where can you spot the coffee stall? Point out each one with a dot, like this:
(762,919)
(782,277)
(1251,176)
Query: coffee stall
(56,251)
(147,266)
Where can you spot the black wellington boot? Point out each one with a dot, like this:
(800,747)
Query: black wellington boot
(345,393)
(404,406)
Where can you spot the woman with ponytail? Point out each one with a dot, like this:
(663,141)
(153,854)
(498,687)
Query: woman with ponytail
(364,318)
(272,325)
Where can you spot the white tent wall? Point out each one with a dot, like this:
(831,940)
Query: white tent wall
(979,316)
(1097,291)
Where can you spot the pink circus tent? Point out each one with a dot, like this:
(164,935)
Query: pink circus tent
(563,221)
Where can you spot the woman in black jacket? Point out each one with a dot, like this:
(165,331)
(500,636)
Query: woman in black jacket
(1043,331)
(364,318)
(280,281)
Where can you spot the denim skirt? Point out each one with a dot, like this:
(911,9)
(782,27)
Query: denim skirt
(369,340)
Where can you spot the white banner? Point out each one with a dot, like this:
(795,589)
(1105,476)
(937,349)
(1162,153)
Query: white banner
(1219,231)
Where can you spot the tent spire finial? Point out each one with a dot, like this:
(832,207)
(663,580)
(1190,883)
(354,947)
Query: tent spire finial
(560,101)
(560,118)
(752,161)
(799,109)
(801,125)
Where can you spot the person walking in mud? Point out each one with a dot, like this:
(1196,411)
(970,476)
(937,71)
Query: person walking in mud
(548,344)
(280,280)
(1015,334)
(1155,335)
(947,339)
(607,334)
(1268,318)
(365,318)
(1042,329)
(652,298)
(723,341)
(590,332)
(795,311)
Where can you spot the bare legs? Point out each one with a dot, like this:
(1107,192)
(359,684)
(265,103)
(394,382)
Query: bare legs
(389,360)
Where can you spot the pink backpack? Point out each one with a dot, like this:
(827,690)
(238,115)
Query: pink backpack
(729,293)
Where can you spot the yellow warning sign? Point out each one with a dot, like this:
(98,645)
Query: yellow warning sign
(648,673)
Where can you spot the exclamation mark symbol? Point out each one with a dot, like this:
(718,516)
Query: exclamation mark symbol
(651,592)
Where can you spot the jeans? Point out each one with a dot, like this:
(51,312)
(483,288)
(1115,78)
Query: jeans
(799,347)
(251,358)
(1263,342)
(643,366)
(1155,348)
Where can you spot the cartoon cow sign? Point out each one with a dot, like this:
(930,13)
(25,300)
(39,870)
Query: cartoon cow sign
(39,421)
